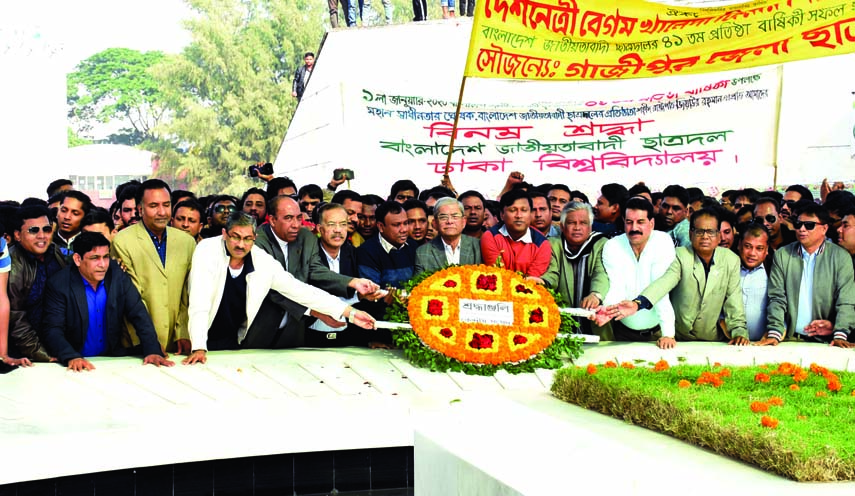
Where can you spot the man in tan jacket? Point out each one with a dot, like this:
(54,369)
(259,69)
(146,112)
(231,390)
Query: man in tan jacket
(157,258)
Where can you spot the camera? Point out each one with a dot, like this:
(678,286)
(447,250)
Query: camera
(260,168)
(340,174)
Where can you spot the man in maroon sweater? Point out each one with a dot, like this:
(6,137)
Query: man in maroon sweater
(522,248)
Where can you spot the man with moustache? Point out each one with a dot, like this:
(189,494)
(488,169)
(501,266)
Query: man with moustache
(541,215)
(673,214)
(254,202)
(702,284)
(229,281)
(279,321)
(753,275)
(576,270)
(794,194)
(766,213)
(450,247)
(633,261)
(187,217)
(417,220)
(352,202)
(475,210)
(811,286)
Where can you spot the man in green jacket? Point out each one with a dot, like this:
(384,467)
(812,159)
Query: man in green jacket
(811,286)
(703,282)
(576,269)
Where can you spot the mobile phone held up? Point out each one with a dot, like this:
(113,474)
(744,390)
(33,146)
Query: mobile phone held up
(340,174)
(260,168)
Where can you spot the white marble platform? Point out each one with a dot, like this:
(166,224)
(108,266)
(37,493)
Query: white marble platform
(248,403)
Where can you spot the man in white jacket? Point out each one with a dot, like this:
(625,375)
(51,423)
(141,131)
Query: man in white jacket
(229,280)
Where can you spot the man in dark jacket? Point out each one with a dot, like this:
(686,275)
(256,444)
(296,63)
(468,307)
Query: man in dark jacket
(85,307)
(302,75)
(34,259)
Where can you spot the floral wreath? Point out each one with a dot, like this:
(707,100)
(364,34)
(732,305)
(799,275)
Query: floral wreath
(479,319)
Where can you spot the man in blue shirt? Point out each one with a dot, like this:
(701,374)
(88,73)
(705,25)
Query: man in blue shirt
(86,305)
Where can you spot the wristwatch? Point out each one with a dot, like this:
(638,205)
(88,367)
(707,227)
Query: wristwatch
(598,295)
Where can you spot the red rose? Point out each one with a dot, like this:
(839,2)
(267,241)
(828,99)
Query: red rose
(535,317)
(446,332)
(434,307)
(486,283)
(481,341)
(450,284)
(522,289)
(520,339)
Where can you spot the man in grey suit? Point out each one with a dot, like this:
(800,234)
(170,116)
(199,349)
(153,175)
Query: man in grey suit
(450,247)
(279,320)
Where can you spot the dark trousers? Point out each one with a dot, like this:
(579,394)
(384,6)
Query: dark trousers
(467,8)
(419,10)
(624,333)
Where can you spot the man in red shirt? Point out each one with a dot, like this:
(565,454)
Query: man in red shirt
(521,248)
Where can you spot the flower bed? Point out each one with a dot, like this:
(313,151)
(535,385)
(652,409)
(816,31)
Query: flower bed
(479,319)
(784,418)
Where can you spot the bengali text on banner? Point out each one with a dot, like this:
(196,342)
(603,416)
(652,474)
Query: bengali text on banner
(624,39)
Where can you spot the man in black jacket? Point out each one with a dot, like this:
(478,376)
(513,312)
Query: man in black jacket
(85,307)
(302,75)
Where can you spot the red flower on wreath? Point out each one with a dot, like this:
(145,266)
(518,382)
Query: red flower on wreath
(535,317)
(450,284)
(434,307)
(520,339)
(446,332)
(522,289)
(485,282)
(481,341)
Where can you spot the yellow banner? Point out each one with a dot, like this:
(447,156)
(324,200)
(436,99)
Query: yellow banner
(624,39)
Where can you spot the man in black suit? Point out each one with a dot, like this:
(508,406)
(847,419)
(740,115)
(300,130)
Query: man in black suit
(450,247)
(85,305)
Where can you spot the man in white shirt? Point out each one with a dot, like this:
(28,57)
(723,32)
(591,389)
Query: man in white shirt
(632,261)
(450,247)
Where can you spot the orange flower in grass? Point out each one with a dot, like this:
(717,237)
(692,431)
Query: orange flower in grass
(716,364)
(761,377)
(820,394)
(759,407)
(710,378)
(786,368)
(724,373)
(800,375)
(660,366)
(683,384)
(852,393)
(770,422)
(592,369)
(627,365)
(818,369)
(775,401)
(610,365)
(834,385)
(794,387)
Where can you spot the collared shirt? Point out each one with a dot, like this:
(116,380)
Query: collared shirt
(707,266)
(5,259)
(387,246)
(96,300)
(754,297)
(680,234)
(629,276)
(804,314)
(159,244)
(283,245)
(452,255)
(335,266)
(526,238)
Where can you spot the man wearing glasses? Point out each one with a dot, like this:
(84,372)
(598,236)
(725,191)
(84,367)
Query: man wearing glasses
(811,286)
(34,259)
(451,247)
(157,259)
(221,207)
(229,281)
(703,282)
(767,214)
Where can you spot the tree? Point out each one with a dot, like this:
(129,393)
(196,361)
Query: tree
(116,85)
(75,140)
(229,91)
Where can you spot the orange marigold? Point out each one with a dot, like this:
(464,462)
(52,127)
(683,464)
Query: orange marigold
(786,368)
(775,401)
(820,394)
(724,373)
(683,384)
(800,375)
(818,369)
(769,422)
(834,385)
(794,387)
(852,393)
(759,407)
(761,377)
(592,369)
(660,366)
(610,365)
(717,364)
(627,365)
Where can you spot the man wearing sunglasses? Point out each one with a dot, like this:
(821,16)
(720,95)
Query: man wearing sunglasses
(811,286)
(157,258)
(221,207)
(34,259)
(792,195)
(766,213)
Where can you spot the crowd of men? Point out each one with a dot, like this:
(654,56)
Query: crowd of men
(165,272)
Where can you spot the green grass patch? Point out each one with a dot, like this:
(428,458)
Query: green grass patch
(813,439)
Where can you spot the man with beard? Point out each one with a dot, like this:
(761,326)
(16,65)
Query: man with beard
(254,203)
(450,247)
(673,214)
(416,220)
(475,210)
(633,261)
(576,270)
(702,284)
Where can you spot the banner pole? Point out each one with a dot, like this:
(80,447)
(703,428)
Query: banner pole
(777,126)
(445,178)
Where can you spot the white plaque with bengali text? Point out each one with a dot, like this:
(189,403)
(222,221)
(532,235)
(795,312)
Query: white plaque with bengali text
(487,312)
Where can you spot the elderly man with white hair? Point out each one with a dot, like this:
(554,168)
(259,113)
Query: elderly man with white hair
(450,247)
